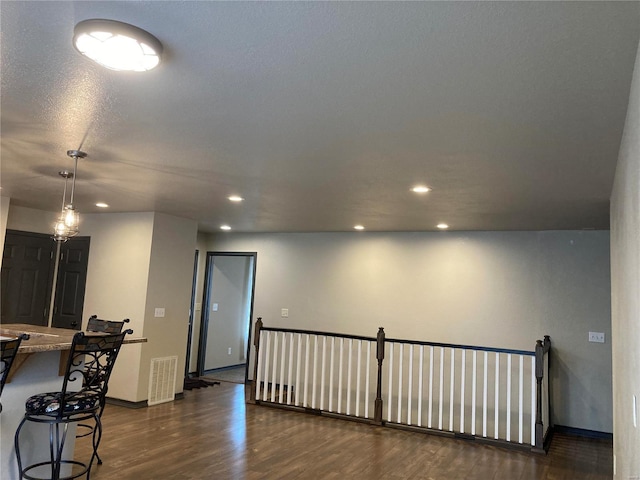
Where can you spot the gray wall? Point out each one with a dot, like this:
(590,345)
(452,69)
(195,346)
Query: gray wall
(625,291)
(503,289)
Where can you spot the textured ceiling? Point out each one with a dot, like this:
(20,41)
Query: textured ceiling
(323,115)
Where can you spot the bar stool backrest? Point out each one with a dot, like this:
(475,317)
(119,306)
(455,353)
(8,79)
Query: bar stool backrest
(91,362)
(9,352)
(96,324)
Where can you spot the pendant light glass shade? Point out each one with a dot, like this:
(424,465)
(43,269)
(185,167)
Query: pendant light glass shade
(117,45)
(68,222)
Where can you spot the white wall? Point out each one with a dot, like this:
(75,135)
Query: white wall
(502,289)
(31,220)
(117,282)
(170,276)
(625,291)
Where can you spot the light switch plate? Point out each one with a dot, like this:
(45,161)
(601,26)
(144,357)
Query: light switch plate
(284,313)
(597,337)
(214,307)
(159,313)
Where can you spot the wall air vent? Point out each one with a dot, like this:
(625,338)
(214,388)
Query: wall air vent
(162,380)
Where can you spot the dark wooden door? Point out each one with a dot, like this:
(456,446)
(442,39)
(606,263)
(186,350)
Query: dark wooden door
(70,286)
(27,272)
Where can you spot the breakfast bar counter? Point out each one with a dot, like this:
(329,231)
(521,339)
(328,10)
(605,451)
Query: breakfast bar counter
(38,368)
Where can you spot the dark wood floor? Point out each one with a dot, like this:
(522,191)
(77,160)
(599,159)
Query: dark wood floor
(212,434)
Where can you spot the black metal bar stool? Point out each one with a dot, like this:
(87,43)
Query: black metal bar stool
(96,324)
(9,350)
(90,364)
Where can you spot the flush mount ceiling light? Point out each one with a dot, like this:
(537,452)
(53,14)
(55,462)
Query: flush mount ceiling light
(420,189)
(117,45)
(442,226)
(235,198)
(359,227)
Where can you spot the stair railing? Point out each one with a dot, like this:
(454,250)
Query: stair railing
(490,394)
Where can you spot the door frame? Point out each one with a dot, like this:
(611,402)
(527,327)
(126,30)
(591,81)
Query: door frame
(191,313)
(204,324)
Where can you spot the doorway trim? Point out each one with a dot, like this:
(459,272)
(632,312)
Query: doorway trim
(204,325)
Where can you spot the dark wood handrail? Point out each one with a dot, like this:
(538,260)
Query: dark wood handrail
(318,333)
(462,347)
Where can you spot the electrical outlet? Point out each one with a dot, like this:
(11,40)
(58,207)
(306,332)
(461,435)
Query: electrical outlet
(159,313)
(284,313)
(229,351)
(597,337)
(214,307)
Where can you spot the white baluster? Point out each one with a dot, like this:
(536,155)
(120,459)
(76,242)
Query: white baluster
(349,386)
(410,385)
(282,358)
(323,373)
(274,372)
(400,362)
(366,388)
(358,376)
(451,383)
(261,350)
(496,410)
(441,387)
(265,391)
(462,382)
(473,395)
(314,378)
(484,395)
(390,381)
(431,387)
(290,372)
(421,356)
(340,375)
(331,377)
(533,400)
(298,366)
(520,400)
(508,397)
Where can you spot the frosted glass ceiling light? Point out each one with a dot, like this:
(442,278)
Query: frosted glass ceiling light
(117,45)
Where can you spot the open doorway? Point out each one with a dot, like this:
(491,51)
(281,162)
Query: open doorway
(227,309)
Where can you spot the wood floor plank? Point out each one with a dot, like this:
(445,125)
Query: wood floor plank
(213,434)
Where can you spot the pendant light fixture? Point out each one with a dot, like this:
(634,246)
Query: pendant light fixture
(117,45)
(68,221)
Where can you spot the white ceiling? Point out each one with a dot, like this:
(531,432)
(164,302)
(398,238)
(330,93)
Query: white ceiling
(323,115)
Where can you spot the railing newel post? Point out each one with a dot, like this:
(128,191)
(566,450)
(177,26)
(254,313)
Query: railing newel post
(380,339)
(256,343)
(539,434)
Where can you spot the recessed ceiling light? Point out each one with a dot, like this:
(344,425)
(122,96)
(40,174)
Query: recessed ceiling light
(359,227)
(420,189)
(102,205)
(442,226)
(117,45)
(225,227)
(235,198)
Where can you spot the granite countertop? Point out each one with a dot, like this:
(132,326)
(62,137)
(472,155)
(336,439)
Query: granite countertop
(46,339)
